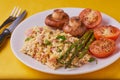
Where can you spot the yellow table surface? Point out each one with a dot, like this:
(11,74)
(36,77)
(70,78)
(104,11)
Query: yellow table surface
(11,67)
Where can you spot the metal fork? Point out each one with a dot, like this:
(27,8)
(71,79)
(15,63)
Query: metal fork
(14,14)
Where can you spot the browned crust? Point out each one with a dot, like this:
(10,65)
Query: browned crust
(78,32)
(49,21)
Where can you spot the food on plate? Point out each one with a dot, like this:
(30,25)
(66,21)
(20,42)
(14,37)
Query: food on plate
(73,42)
(57,19)
(86,48)
(102,47)
(110,32)
(56,48)
(80,49)
(90,18)
(74,27)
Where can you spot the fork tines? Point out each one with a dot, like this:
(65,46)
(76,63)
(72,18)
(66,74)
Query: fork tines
(15,12)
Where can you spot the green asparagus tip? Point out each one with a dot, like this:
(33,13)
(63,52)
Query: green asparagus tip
(91,59)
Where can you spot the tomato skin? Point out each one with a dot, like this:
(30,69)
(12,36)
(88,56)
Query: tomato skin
(109,32)
(94,24)
(102,47)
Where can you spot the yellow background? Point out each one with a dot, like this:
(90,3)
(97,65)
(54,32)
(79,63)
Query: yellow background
(11,67)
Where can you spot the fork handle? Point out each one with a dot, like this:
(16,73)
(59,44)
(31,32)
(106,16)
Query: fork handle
(4,35)
(7,21)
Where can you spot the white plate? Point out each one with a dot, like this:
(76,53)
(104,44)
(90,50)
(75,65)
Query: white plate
(18,37)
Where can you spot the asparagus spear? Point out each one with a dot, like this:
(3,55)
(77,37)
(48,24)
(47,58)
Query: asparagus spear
(67,52)
(65,55)
(72,57)
(85,50)
(79,47)
(91,59)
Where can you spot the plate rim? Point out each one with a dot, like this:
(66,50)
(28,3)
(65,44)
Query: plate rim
(45,65)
